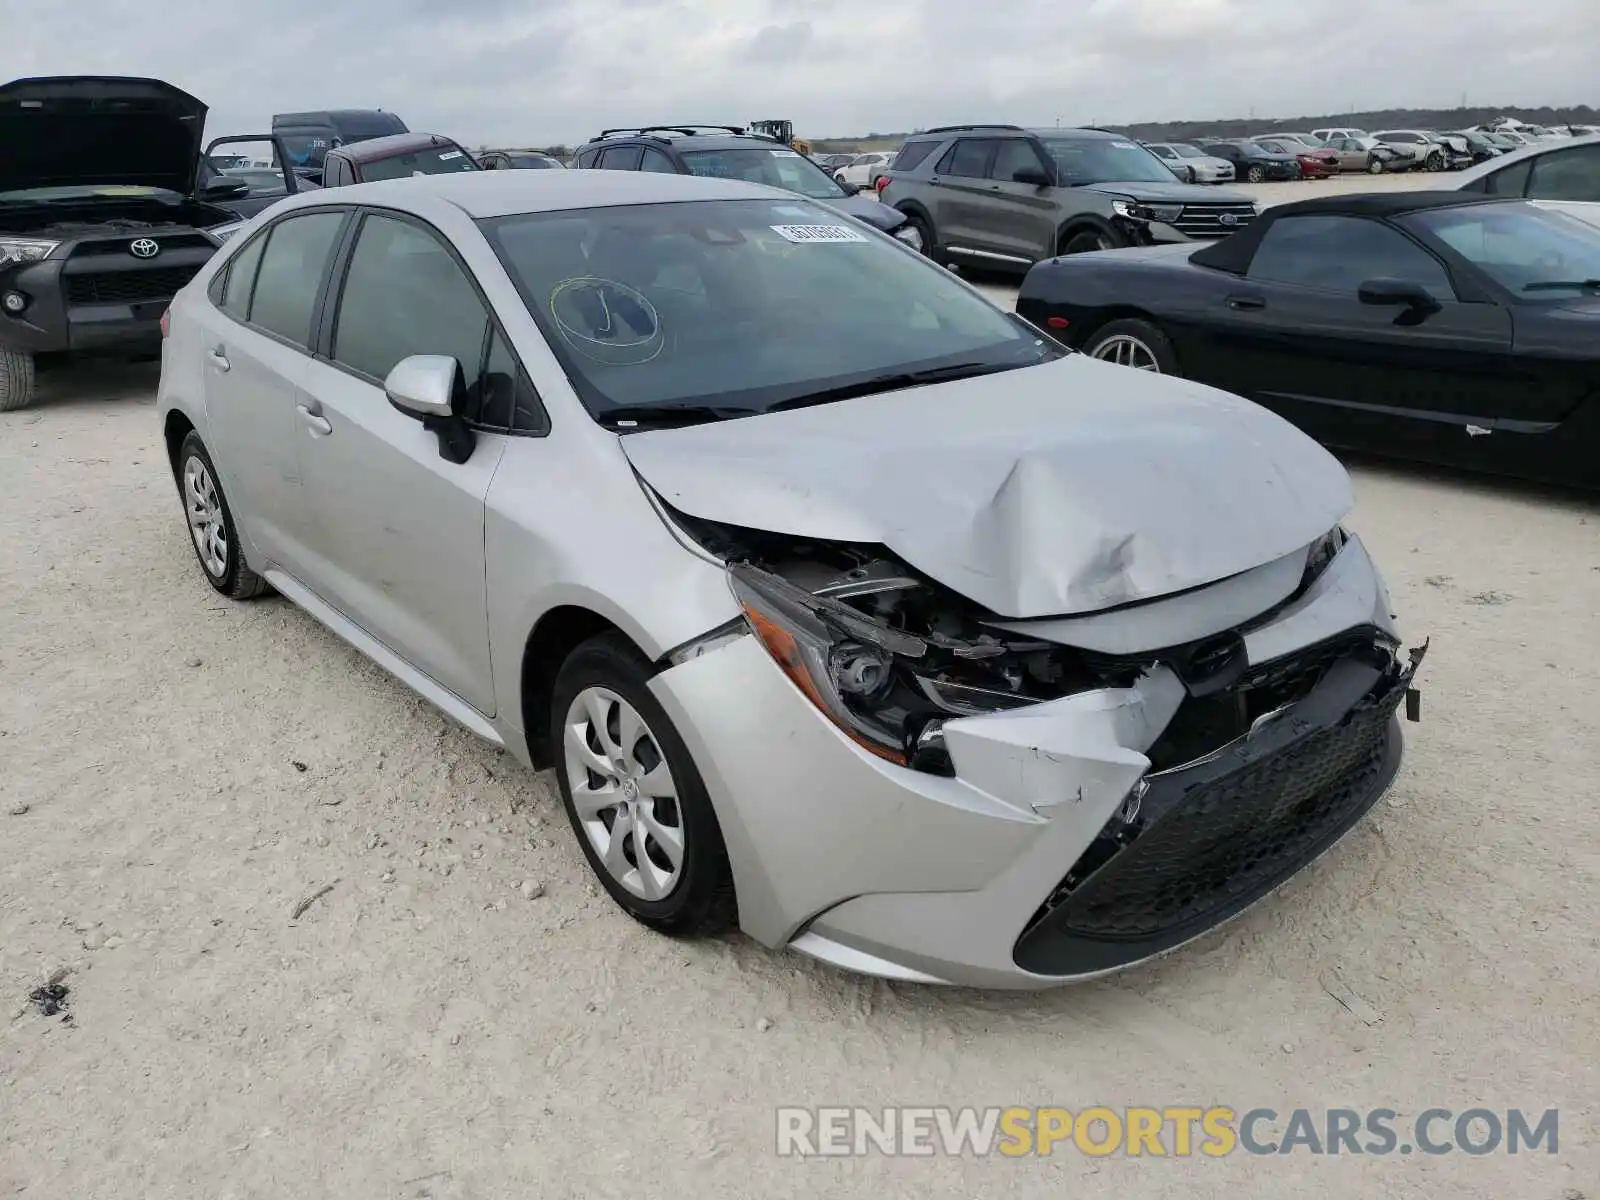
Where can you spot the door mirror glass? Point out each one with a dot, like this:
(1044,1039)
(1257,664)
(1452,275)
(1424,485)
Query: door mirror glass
(1034,176)
(423,386)
(1395,293)
(849,189)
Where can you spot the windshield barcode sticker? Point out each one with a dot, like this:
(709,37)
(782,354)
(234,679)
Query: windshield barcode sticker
(449,154)
(785,154)
(817,233)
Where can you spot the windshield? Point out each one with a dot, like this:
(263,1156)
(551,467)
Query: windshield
(1189,151)
(776,166)
(743,305)
(1535,252)
(442,160)
(1104,160)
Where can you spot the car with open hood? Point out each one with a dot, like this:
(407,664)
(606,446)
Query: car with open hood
(104,215)
(845,606)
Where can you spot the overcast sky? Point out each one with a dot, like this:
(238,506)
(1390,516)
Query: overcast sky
(538,71)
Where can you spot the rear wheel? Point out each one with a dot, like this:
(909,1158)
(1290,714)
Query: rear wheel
(634,796)
(16,379)
(1135,343)
(211,525)
(917,228)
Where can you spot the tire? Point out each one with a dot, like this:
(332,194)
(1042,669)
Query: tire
(840,179)
(1375,166)
(930,248)
(1256,174)
(697,900)
(1086,241)
(197,478)
(16,379)
(1435,161)
(1130,332)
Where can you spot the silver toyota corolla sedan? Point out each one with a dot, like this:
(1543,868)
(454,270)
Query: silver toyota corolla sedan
(845,607)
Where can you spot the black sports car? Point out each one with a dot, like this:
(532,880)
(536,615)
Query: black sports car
(1437,326)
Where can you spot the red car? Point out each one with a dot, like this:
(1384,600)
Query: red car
(1316,162)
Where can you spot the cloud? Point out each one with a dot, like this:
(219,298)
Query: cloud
(505,71)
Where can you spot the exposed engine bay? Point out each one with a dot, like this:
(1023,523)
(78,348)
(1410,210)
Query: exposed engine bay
(891,655)
(91,216)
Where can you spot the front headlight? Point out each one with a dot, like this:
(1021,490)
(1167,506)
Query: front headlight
(1322,552)
(24,250)
(881,687)
(1130,209)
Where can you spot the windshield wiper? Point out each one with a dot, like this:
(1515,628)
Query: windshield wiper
(1561,285)
(627,417)
(892,382)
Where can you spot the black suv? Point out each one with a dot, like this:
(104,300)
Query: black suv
(731,152)
(103,216)
(1006,197)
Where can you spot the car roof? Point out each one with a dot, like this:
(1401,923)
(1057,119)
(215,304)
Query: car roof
(1233,254)
(373,149)
(1473,174)
(666,135)
(482,194)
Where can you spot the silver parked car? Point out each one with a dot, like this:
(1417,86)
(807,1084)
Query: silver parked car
(844,605)
(1190,163)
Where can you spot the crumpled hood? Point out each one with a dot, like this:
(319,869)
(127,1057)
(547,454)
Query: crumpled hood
(98,130)
(1064,488)
(866,208)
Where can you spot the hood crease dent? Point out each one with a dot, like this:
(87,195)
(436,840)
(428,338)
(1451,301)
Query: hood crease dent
(1061,489)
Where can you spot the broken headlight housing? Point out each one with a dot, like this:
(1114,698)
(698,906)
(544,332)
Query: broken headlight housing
(888,659)
(14,251)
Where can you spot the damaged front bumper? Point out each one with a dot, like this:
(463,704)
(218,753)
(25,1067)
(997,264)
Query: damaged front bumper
(1063,846)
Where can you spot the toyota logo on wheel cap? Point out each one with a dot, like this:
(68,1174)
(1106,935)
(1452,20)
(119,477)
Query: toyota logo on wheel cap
(144,248)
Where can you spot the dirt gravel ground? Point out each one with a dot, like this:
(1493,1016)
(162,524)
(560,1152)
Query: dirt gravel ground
(178,774)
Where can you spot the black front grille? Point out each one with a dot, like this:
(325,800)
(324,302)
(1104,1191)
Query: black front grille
(128,287)
(1230,837)
(1214,220)
(119,246)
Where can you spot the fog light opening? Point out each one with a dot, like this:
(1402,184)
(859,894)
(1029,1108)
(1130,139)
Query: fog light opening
(14,302)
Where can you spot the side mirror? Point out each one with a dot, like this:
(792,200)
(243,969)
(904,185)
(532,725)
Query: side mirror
(424,387)
(849,189)
(1031,175)
(1397,293)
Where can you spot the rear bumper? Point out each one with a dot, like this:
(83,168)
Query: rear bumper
(1055,853)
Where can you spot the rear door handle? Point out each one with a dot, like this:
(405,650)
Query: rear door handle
(314,421)
(219,359)
(1245,303)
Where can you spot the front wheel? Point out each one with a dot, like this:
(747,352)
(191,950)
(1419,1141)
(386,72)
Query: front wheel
(1435,161)
(1375,166)
(1134,343)
(1256,175)
(16,379)
(1083,243)
(634,797)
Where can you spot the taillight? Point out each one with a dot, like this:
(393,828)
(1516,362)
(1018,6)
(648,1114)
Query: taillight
(166,322)
(883,182)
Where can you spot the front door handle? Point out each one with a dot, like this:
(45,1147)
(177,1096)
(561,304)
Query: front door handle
(1245,303)
(314,421)
(219,358)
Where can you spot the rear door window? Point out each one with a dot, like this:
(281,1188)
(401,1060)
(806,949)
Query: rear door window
(290,275)
(620,158)
(968,158)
